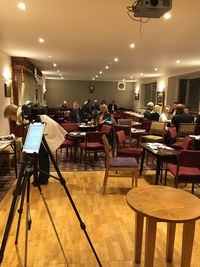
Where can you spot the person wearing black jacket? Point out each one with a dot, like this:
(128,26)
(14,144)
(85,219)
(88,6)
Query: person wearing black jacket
(76,113)
(112,107)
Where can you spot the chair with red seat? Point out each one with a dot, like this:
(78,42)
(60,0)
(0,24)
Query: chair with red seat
(187,169)
(118,165)
(172,133)
(123,150)
(93,144)
(68,143)
(187,143)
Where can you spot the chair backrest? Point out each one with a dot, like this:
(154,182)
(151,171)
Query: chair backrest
(70,126)
(94,137)
(197,129)
(127,122)
(107,148)
(120,137)
(158,128)
(172,134)
(106,129)
(189,158)
(146,125)
(185,129)
(188,144)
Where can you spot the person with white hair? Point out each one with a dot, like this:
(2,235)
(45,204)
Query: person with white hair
(149,110)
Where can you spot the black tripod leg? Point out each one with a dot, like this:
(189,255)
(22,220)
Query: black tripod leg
(53,224)
(16,194)
(28,221)
(63,183)
(20,210)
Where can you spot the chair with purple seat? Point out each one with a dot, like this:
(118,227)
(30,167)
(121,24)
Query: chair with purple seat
(123,150)
(118,165)
(93,144)
(187,169)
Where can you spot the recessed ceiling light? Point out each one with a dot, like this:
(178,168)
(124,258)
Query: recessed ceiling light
(61,78)
(100,72)
(141,73)
(58,70)
(54,64)
(132,45)
(167,16)
(131,77)
(178,61)
(40,40)
(93,78)
(107,67)
(116,59)
(156,69)
(49,56)
(96,76)
(60,74)
(21,6)
(124,80)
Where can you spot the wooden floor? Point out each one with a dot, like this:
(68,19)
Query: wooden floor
(109,221)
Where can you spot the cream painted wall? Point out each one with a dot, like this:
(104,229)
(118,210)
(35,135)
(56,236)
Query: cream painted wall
(5,69)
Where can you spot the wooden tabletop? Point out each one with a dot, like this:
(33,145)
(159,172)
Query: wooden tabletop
(160,151)
(164,203)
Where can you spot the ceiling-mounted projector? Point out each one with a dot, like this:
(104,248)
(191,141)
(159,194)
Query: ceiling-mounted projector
(151,8)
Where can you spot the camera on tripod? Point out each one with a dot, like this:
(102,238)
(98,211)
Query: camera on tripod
(32,111)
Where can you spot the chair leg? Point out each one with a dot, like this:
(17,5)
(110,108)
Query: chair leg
(85,158)
(165,183)
(105,181)
(193,188)
(56,156)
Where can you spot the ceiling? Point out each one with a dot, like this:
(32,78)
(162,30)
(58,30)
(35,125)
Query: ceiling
(82,37)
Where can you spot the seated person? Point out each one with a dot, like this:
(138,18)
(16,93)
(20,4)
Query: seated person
(63,106)
(197,121)
(149,110)
(95,108)
(154,115)
(87,109)
(181,117)
(76,113)
(164,117)
(187,109)
(104,116)
(174,111)
(112,107)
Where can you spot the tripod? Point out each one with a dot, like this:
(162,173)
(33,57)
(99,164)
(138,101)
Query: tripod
(22,187)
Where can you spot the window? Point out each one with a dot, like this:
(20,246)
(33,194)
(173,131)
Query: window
(149,91)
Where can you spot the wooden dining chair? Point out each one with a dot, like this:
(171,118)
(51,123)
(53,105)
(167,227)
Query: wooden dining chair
(187,169)
(185,129)
(157,132)
(118,166)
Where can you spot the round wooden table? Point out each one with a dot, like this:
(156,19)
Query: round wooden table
(163,204)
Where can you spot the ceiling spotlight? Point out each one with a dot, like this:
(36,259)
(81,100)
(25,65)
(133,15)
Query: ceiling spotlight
(178,61)
(124,80)
(58,70)
(141,73)
(131,77)
(107,67)
(116,59)
(100,72)
(96,76)
(60,74)
(21,6)
(93,78)
(49,56)
(54,64)
(132,45)
(156,69)
(40,40)
(61,77)
(167,16)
